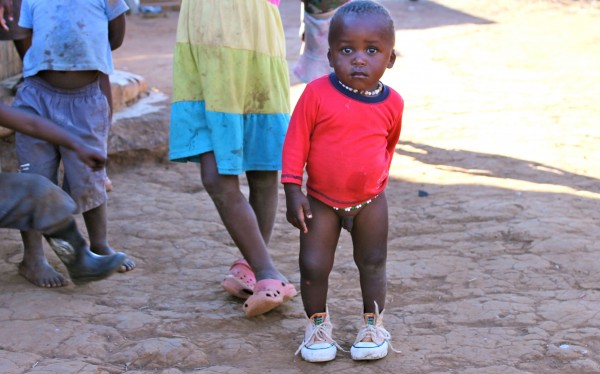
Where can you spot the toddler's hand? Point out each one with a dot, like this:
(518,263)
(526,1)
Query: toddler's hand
(298,207)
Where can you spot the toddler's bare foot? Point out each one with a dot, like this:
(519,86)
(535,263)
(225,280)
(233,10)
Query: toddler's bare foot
(42,275)
(128,264)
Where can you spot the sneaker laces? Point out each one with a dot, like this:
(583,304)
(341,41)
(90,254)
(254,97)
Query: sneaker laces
(320,333)
(373,332)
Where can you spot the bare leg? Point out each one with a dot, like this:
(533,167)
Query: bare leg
(238,217)
(369,236)
(96,224)
(317,252)
(104,82)
(35,267)
(263,199)
(36,204)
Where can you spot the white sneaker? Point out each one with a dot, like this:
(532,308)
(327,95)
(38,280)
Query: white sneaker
(318,346)
(372,341)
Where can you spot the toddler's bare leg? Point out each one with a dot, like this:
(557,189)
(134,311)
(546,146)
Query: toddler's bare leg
(238,217)
(317,252)
(35,267)
(96,221)
(369,236)
(263,199)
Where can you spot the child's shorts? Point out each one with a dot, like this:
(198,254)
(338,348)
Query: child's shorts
(83,112)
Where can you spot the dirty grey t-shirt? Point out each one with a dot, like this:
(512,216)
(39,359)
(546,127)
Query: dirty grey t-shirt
(69,35)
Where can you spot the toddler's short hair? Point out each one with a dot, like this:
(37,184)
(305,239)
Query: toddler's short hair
(363,8)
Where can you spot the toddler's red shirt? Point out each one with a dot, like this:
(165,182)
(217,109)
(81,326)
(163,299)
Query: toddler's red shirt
(346,142)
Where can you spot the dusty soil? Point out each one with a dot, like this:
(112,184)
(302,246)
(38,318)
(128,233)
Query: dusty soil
(495,270)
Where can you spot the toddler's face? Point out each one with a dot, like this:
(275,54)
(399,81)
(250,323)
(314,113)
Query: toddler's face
(361,49)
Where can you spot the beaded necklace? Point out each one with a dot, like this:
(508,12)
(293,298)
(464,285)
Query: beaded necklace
(368,93)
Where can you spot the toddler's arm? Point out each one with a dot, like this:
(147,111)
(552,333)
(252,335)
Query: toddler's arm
(116,32)
(298,207)
(39,127)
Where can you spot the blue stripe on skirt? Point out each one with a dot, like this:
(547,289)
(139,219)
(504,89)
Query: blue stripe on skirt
(240,142)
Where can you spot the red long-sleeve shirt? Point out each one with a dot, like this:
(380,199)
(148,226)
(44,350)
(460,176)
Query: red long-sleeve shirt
(346,142)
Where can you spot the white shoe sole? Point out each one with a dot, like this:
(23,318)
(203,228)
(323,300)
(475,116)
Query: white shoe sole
(319,354)
(369,352)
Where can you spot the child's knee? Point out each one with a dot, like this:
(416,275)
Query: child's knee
(262,180)
(315,267)
(371,260)
(212,186)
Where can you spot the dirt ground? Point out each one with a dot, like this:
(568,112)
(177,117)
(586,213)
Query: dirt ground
(494,243)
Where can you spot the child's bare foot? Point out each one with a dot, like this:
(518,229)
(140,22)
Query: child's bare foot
(42,274)
(128,264)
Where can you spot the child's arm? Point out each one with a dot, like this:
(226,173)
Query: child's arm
(39,127)
(104,81)
(298,207)
(394,133)
(295,153)
(116,32)
(394,136)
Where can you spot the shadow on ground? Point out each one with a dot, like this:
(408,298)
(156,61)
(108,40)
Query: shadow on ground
(416,15)
(496,166)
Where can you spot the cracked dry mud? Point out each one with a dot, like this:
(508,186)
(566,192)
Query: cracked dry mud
(496,270)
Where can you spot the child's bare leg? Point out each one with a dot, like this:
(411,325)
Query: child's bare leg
(317,252)
(96,221)
(104,82)
(369,236)
(238,217)
(263,199)
(35,267)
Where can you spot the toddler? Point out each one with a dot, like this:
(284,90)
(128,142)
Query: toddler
(344,131)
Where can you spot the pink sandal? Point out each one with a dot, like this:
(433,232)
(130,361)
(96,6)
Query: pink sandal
(240,281)
(268,294)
